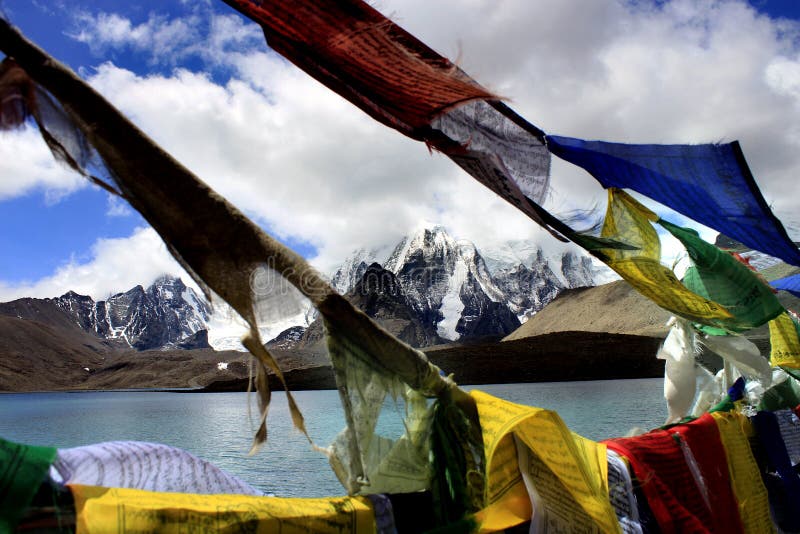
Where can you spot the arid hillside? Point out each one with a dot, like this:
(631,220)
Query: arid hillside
(613,308)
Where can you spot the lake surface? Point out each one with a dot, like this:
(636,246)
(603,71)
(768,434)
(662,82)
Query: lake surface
(215,426)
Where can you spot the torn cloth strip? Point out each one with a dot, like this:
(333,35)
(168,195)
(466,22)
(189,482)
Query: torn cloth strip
(680,381)
(147,466)
(363,460)
(743,354)
(711,184)
(790,284)
(23,468)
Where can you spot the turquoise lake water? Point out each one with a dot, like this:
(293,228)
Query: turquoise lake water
(215,426)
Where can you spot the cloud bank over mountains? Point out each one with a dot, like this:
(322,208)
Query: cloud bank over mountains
(315,171)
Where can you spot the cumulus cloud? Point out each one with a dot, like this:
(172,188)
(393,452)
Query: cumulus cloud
(309,166)
(674,72)
(26,165)
(115,265)
(159,36)
(299,159)
(166,40)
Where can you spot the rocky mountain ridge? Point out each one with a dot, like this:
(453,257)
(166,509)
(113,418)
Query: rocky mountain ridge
(378,294)
(430,287)
(453,290)
(165,315)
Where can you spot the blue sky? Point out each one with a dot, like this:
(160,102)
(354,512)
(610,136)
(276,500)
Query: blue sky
(324,178)
(45,229)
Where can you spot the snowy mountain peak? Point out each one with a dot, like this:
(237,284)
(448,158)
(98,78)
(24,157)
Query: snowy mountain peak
(351,270)
(452,285)
(165,315)
(426,243)
(168,288)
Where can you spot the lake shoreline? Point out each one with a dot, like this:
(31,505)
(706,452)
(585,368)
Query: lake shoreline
(588,357)
(556,357)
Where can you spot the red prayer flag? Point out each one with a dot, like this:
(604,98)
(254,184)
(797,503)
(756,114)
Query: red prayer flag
(353,49)
(672,490)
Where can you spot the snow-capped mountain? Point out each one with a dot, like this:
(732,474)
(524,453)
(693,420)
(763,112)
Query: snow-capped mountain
(167,314)
(528,289)
(571,266)
(461,293)
(437,288)
(378,294)
(448,285)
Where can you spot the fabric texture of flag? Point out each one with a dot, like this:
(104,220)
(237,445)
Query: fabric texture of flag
(710,184)
(790,284)
(718,276)
(23,468)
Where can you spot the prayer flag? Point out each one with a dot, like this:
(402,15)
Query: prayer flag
(568,472)
(118,510)
(769,436)
(679,471)
(716,275)
(23,468)
(711,184)
(751,495)
(784,340)
(628,221)
(790,284)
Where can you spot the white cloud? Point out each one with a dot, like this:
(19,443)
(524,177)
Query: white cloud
(167,41)
(310,166)
(26,165)
(298,158)
(115,265)
(164,39)
(116,207)
(783,75)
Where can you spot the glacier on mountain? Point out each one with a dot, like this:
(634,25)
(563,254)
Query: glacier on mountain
(451,283)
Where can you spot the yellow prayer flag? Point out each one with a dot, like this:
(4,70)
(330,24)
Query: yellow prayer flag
(568,472)
(628,221)
(120,510)
(784,342)
(748,488)
(660,285)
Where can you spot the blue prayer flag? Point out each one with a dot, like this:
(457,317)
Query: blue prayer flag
(711,184)
(790,284)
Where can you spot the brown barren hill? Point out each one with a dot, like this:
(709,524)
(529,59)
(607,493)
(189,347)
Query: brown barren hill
(35,356)
(614,308)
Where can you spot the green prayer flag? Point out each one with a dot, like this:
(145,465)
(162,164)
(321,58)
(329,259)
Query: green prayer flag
(22,471)
(718,276)
(781,396)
